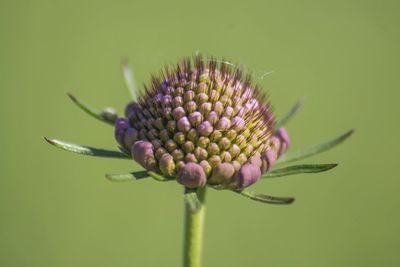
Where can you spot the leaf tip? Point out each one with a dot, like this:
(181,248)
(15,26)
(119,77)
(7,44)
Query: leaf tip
(49,140)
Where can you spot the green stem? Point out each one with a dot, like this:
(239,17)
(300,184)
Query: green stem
(193,235)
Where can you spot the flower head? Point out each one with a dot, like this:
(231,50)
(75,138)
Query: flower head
(202,123)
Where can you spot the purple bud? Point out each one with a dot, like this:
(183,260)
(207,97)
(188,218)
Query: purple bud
(178,101)
(142,152)
(190,106)
(121,125)
(275,143)
(223,124)
(178,113)
(283,135)
(192,175)
(189,96)
(205,128)
(213,117)
(190,157)
(184,125)
(222,174)
(166,101)
(255,160)
(132,107)
(238,123)
(268,159)
(195,118)
(247,175)
(228,112)
(205,108)
(130,137)
(202,98)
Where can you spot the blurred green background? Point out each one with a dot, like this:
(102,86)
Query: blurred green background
(57,209)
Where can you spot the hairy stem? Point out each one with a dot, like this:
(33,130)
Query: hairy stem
(193,235)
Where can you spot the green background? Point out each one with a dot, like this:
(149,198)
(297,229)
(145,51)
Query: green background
(57,209)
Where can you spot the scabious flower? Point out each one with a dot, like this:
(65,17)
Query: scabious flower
(202,123)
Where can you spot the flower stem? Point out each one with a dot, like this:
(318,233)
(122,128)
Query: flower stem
(193,235)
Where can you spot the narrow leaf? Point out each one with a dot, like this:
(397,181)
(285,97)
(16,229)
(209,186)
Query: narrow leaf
(127,177)
(313,150)
(284,120)
(192,200)
(265,198)
(129,81)
(297,169)
(92,112)
(158,177)
(86,150)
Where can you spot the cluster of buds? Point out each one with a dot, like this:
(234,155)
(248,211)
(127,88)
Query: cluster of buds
(202,123)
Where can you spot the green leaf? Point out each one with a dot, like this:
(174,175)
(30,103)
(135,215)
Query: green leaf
(86,150)
(297,169)
(129,81)
(284,120)
(158,177)
(313,150)
(92,112)
(265,198)
(127,177)
(192,200)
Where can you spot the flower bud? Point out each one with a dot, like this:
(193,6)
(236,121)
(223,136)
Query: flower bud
(190,157)
(130,137)
(170,145)
(268,159)
(282,134)
(109,114)
(190,106)
(213,118)
(178,113)
(160,152)
(223,124)
(189,96)
(216,136)
(205,108)
(156,143)
(195,118)
(224,143)
(213,149)
(167,165)
(179,138)
(214,161)
(188,147)
(184,125)
(192,175)
(205,128)
(192,135)
(178,155)
(206,167)
(247,175)
(222,174)
(203,142)
(238,123)
(142,152)
(219,108)
(178,101)
(200,153)
(121,125)
(164,135)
